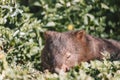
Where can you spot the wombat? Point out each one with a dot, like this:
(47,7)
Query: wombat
(65,50)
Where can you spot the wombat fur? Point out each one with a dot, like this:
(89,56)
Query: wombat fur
(65,50)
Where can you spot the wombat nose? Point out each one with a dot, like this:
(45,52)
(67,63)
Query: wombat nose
(65,68)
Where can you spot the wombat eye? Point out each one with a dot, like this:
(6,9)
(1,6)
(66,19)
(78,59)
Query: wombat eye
(68,55)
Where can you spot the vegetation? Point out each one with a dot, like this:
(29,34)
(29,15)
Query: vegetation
(22,23)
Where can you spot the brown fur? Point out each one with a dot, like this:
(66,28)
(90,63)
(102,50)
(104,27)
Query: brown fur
(63,51)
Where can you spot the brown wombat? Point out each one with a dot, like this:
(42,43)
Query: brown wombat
(64,50)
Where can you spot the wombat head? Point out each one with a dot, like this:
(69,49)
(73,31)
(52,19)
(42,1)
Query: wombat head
(63,51)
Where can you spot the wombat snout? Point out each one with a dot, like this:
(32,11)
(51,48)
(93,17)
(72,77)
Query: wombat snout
(64,68)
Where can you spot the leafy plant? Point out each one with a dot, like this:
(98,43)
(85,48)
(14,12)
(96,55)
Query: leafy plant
(22,23)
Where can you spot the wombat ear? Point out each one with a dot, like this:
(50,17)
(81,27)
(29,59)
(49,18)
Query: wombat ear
(80,34)
(48,34)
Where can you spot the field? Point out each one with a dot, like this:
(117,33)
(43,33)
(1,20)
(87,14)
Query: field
(22,26)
